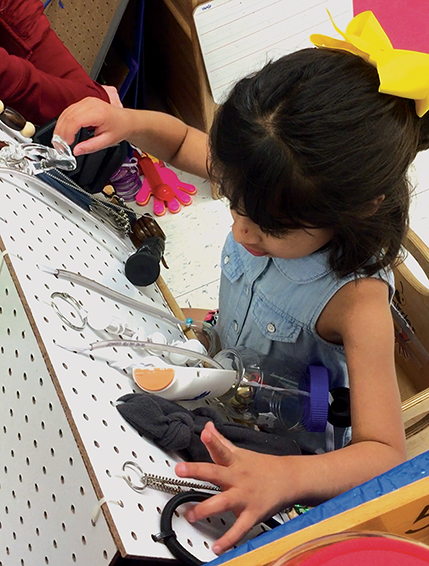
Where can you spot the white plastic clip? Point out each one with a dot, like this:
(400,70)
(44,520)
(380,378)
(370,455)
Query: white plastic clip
(4,254)
(97,510)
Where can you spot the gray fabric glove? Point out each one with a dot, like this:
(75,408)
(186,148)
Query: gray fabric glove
(177,429)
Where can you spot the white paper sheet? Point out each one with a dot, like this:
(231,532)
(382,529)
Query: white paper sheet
(238,37)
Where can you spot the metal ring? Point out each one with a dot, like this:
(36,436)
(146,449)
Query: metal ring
(135,468)
(73,303)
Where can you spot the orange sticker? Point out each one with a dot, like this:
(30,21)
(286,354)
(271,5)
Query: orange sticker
(153,379)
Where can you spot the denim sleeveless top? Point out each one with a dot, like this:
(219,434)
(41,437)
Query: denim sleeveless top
(272,305)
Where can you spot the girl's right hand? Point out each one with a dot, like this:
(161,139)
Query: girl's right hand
(254,486)
(111,124)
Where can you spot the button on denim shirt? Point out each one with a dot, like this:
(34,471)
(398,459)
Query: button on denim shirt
(272,305)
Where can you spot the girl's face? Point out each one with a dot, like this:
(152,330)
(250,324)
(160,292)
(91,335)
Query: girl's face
(292,245)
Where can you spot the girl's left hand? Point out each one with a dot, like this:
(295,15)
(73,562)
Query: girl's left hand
(252,485)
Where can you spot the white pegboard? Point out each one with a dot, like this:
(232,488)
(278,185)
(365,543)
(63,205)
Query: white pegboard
(46,496)
(39,227)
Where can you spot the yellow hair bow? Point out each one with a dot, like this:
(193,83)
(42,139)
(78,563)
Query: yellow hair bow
(402,73)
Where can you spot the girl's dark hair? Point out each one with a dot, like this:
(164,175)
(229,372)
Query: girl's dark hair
(309,141)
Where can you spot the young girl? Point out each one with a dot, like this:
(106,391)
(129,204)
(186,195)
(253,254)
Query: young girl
(313,159)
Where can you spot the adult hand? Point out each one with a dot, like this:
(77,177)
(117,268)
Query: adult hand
(111,124)
(113,94)
(252,485)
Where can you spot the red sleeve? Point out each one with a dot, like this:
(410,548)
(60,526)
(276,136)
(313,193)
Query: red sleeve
(38,96)
(38,75)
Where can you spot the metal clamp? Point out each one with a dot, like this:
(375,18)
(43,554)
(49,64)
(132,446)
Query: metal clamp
(160,483)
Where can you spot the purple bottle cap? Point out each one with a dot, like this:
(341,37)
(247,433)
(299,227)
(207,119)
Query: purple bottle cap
(316,406)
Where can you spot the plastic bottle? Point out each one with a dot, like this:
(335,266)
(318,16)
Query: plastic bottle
(295,401)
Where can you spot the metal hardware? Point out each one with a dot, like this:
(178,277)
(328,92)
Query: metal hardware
(76,307)
(160,483)
(33,158)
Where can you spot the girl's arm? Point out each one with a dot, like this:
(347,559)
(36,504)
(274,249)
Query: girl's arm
(157,133)
(360,316)
(256,486)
